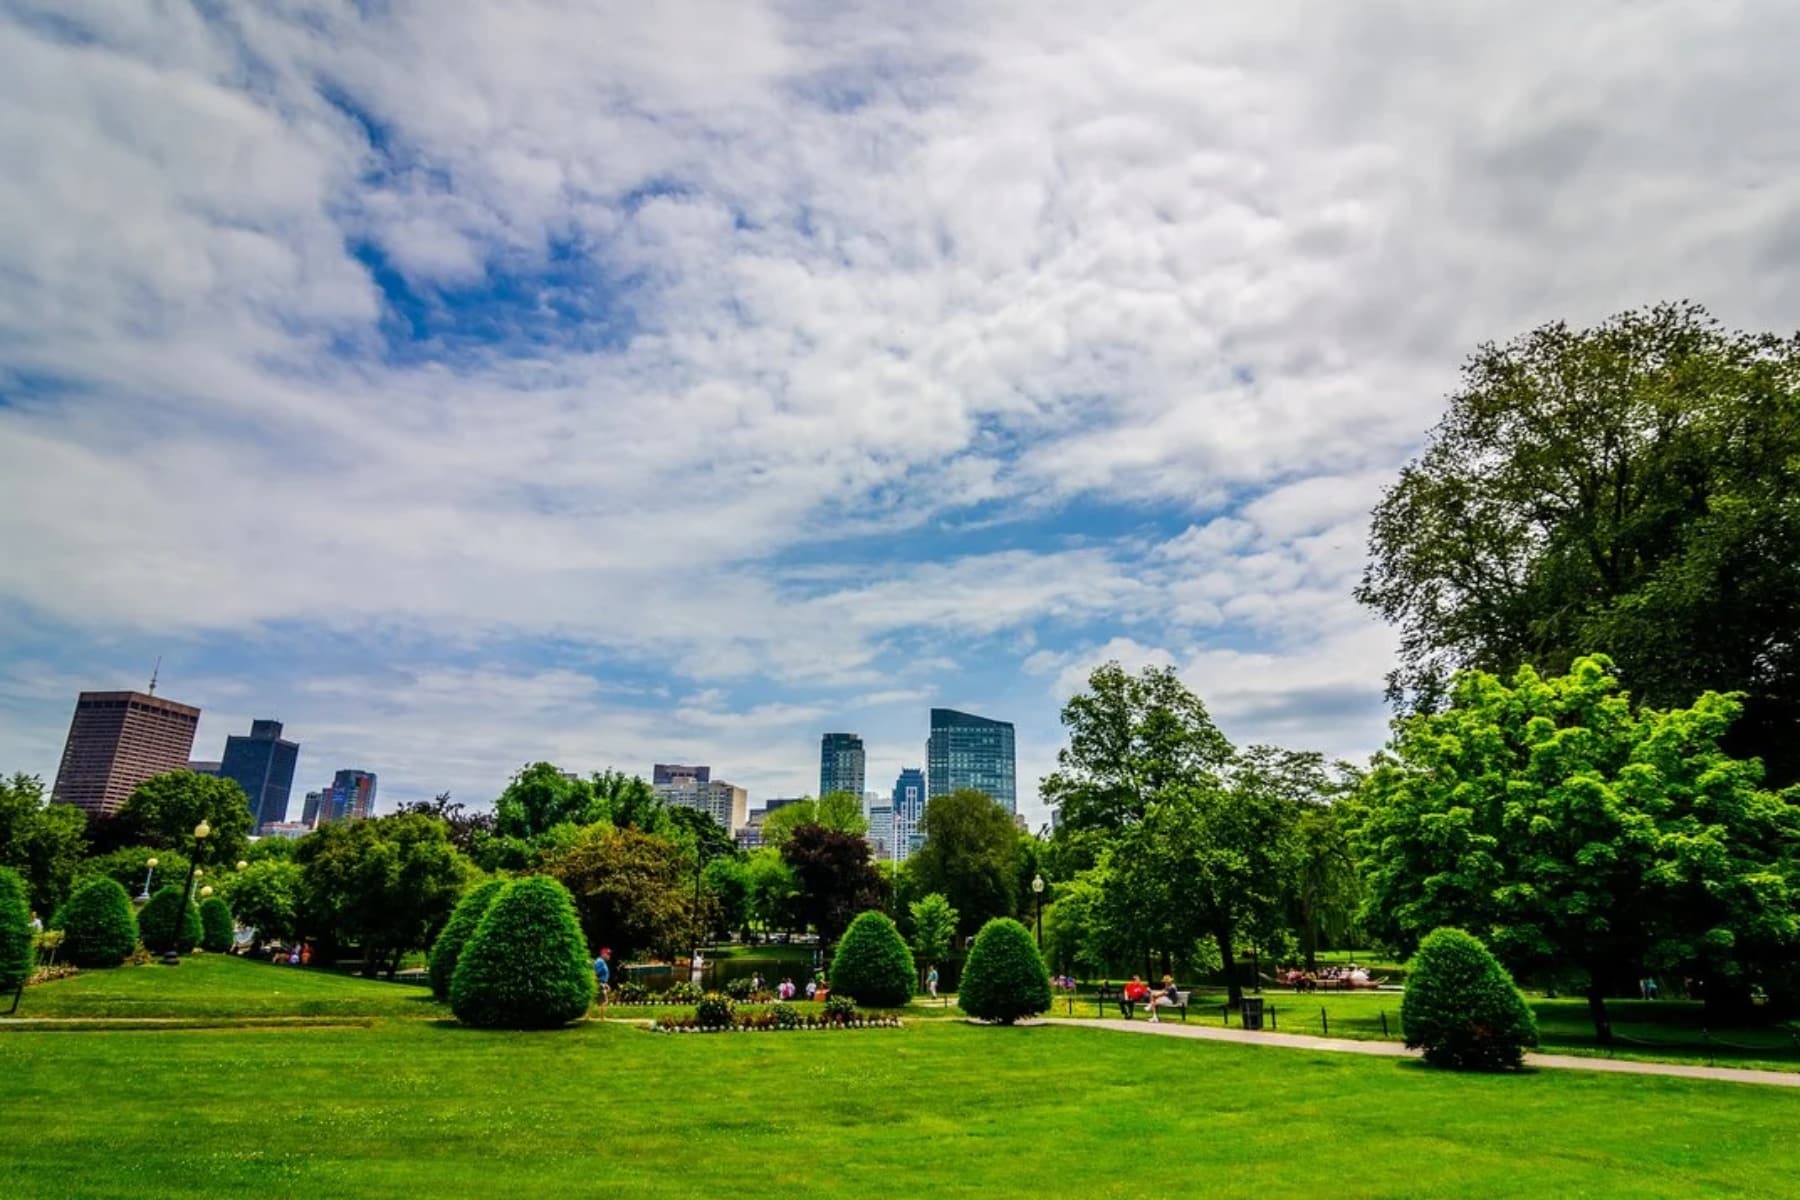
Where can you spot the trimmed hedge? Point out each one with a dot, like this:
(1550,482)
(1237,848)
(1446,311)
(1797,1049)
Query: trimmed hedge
(457,931)
(872,963)
(526,966)
(715,1011)
(1004,978)
(217,928)
(1462,1008)
(169,922)
(98,928)
(16,957)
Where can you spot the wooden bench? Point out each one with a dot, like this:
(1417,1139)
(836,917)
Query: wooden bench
(1108,994)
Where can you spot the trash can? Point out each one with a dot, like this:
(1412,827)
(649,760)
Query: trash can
(1253,1012)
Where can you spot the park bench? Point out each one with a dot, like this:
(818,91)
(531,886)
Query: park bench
(1108,994)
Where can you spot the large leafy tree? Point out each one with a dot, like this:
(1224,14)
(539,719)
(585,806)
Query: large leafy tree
(43,842)
(633,890)
(539,797)
(1578,835)
(465,827)
(773,888)
(1212,860)
(970,856)
(1130,738)
(265,896)
(835,875)
(164,810)
(629,802)
(1632,489)
(840,812)
(387,885)
(934,927)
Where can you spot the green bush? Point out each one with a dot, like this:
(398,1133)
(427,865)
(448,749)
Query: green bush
(98,928)
(872,963)
(217,929)
(526,965)
(839,1008)
(1461,1007)
(685,992)
(714,1011)
(785,1015)
(630,992)
(169,922)
(15,932)
(738,989)
(1004,978)
(456,933)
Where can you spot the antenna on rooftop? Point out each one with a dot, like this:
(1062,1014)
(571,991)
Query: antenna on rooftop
(154,672)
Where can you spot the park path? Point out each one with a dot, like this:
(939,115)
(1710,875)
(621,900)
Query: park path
(1573,1062)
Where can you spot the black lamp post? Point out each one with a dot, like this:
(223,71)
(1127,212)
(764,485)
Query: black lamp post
(172,957)
(1037,903)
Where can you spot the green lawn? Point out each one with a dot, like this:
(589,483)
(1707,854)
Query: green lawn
(220,986)
(424,1108)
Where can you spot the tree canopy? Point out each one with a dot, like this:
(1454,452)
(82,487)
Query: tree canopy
(388,884)
(633,891)
(42,841)
(1631,489)
(1577,834)
(164,810)
(970,856)
(836,878)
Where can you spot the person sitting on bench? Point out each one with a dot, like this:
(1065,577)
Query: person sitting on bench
(1163,996)
(1136,992)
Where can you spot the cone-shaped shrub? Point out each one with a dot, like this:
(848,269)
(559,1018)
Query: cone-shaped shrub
(526,966)
(1462,1008)
(15,932)
(872,964)
(98,928)
(1004,978)
(169,922)
(217,929)
(457,931)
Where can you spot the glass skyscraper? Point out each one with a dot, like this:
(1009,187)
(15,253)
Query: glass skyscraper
(967,751)
(841,764)
(907,810)
(263,765)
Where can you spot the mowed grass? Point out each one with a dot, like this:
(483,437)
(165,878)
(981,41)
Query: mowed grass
(427,1108)
(218,986)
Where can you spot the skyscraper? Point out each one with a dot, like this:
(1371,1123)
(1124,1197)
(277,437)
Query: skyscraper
(674,772)
(351,797)
(967,751)
(723,802)
(907,810)
(841,764)
(315,807)
(116,741)
(263,765)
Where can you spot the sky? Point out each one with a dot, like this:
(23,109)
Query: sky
(467,384)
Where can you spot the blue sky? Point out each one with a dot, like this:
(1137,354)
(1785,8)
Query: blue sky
(614,383)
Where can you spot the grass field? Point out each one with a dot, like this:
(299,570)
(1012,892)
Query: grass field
(424,1108)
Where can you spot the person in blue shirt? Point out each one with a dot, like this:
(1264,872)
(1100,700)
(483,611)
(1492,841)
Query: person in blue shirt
(603,978)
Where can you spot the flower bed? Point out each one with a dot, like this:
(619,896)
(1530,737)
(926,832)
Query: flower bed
(775,1022)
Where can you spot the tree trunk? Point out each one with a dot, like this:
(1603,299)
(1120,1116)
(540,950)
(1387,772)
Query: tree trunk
(1234,987)
(1309,937)
(1596,999)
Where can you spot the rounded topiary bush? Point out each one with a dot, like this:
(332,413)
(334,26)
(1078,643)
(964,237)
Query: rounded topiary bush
(1461,1006)
(98,928)
(456,933)
(714,1011)
(15,932)
(872,963)
(217,929)
(1004,978)
(169,922)
(526,965)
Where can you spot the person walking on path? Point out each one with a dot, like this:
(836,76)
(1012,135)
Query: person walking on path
(603,979)
(931,981)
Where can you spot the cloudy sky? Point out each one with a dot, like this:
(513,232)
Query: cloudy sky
(466,384)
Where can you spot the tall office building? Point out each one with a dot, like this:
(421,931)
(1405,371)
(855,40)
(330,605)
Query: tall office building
(907,810)
(263,765)
(723,802)
(672,772)
(881,831)
(204,766)
(967,751)
(315,806)
(841,764)
(116,741)
(351,797)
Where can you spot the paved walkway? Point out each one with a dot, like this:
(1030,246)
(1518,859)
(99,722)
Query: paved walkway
(1574,1062)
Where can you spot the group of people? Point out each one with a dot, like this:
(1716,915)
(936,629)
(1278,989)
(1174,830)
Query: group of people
(1139,992)
(297,955)
(816,988)
(1351,976)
